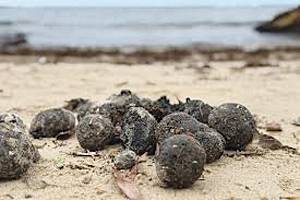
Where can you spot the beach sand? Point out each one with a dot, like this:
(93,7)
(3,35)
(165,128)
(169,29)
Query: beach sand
(271,93)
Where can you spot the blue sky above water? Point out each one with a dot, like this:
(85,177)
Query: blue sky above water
(147,3)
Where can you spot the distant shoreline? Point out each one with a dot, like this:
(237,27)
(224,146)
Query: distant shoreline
(145,55)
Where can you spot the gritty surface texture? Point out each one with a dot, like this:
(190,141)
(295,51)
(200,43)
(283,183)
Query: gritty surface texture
(198,109)
(138,131)
(175,124)
(213,143)
(13,119)
(272,93)
(158,108)
(180,161)
(94,132)
(17,153)
(51,122)
(125,159)
(235,123)
(79,106)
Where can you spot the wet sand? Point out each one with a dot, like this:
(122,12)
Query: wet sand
(271,92)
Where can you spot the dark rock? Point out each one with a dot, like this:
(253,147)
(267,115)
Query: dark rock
(175,124)
(94,132)
(51,122)
(235,123)
(115,107)
(12,119)
(159,108)
(138,131)
(213,143)
(197,109)
(79,106)
(286,22)
(125,160)
(180,161)
(17,153)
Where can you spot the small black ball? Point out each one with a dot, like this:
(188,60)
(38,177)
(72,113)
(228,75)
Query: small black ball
(175,124)
(213,143)
(180,161)
(51,122)
(198,109)
(114,108)
(17,153)
(235,123)
(138,131)
(125,160)
(94,132)
(159,108)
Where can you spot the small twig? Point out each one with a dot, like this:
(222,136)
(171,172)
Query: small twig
(83,154)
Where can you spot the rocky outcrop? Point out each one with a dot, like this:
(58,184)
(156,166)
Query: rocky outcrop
(286,22)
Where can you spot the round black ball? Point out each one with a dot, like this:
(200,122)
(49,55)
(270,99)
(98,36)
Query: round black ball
(235,123)
(180,161)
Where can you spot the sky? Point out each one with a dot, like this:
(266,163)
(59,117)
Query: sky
(142,3)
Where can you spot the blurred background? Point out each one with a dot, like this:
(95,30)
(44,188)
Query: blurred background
(123,23)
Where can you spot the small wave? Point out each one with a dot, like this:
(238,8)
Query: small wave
(184,24)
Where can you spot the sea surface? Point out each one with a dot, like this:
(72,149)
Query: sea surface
(122,27)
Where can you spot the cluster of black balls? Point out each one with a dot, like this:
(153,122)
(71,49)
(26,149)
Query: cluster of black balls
(183,136)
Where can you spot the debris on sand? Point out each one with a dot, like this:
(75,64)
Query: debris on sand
(235,123)
(175,124)
(94,132)
(296,122)
(269,142)
(125,159)
(17,153)
(180,161)
(51,122)
(138,131)
(273,126)
(125,182)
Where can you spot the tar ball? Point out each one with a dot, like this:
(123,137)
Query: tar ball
(138,131)
(235,123)
(52,122)
(115,108)
(12,119)
(175,124)
(180,161)
(17,153)
(198,109)
(79,106)
(94,132)
(125,99)
(159,108)
(125,160)
(212,142)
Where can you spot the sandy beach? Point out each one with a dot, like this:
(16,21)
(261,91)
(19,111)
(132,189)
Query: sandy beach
(271,92)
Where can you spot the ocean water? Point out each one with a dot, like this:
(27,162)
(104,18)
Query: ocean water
(121,27)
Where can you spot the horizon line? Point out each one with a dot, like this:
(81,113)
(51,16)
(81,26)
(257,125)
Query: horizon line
(155,6)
